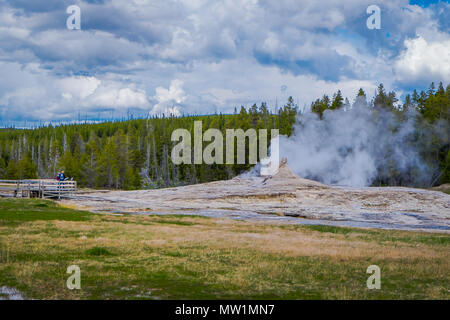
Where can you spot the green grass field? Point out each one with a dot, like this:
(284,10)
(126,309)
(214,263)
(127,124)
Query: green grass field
(191,257)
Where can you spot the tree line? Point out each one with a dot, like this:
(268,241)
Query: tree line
(129,154)
(135,154)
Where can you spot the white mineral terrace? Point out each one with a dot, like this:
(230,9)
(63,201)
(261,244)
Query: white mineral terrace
(287,198)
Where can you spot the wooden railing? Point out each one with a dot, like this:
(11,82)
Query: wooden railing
(39,188)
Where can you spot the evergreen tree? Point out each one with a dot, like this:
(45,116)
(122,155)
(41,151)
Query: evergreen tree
(338,101)
(383,100)
(361,99)
(320,105)
(12,171)
(26,169)
(287,117)
(2,168)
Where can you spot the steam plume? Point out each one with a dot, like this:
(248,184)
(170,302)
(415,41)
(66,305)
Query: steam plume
(357,146)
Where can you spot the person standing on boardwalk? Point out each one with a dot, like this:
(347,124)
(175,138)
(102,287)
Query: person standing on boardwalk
(62,176)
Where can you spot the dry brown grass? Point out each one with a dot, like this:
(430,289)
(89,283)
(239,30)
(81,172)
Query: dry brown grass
(193,257)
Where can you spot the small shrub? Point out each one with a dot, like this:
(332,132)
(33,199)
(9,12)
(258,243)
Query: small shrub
(98,251)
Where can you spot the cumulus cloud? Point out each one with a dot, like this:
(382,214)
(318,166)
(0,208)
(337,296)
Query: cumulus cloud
(114,97)
(424,61)
(222,54)
(80,87)
(90,93)
(33,94)
(169,99)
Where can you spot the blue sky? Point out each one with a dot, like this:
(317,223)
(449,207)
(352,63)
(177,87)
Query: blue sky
(424,3)
(198,56)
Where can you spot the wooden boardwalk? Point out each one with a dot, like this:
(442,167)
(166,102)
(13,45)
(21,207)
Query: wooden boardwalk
(45,188)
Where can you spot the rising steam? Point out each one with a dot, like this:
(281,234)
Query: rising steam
(355,147)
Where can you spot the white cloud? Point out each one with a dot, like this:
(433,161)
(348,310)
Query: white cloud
(174,93)
(80,87)
(424,61)
(222,54)
(112,97)
(90,92)
(169,98)
(32,93)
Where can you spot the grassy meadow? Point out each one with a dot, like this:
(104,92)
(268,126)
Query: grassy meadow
(192,257)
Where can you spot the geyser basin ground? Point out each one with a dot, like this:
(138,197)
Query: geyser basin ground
(284,197)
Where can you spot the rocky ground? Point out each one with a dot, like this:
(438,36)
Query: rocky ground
(284,197)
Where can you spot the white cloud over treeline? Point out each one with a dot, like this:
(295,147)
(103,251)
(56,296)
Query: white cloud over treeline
(195,56)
